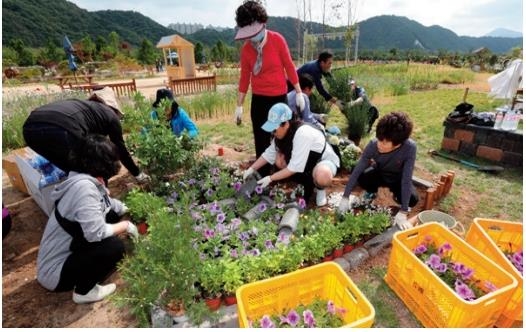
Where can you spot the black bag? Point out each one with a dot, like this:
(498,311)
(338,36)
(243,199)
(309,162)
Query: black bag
(486,119)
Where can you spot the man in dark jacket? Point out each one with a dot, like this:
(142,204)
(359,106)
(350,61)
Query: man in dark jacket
(55,129)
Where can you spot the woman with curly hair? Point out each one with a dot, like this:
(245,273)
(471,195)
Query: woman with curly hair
(266,64)
(79,247)
(387,161)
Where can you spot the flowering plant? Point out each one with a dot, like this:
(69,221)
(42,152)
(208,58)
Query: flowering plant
(319,313)
(515,258)
(456,275)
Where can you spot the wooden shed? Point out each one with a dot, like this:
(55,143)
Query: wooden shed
(178,54)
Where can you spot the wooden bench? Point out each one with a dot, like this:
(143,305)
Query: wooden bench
(188,86)
(120,89)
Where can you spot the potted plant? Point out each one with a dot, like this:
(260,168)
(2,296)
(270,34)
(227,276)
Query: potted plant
(232,279)
(211,282)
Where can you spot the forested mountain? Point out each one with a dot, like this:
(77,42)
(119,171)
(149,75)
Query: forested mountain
(37,21)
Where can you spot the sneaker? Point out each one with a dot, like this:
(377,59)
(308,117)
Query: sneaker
(321,197)
(97,293)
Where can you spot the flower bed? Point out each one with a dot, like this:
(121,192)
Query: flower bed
(433,301)
(501,241)
(225,238)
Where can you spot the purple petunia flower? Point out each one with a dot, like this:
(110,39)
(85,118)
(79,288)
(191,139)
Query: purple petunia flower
(237,186)
(467,273)
(433,261)
(214,171)
(444,249)
(266,322)
(302,203)
(280,205)
(463,290)
(233,253)
(259,190)
(283,238)
(202,256)
(420,249)
(458,268)
(255,252)
(209,192)
(308,318)
(331,308)
(262,207)
(293,318)
(441,268)
(268,244)
(220,228)
(192,181)
(235,223)
(170,201)
(214,208)
(243,236)
(208,233)
(220,218)
(490,286)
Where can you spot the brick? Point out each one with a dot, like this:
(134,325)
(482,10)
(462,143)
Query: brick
(507,145)
(450,144)
(464,135)
(512,159)
(449,131)
(490,153)
(517,147)
(467,149)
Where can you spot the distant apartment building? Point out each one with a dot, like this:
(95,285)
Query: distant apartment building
(189,28)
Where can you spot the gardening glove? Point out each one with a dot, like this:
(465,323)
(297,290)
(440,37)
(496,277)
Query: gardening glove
(265,181)
(401,221)
(238,114)
(339,104)
(132,230)
(344,205)
(248,173)
(143,177)
(300,101)
(124,210)
(352,103)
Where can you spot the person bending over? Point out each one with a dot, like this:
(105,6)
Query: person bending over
(387,161)
(177,118)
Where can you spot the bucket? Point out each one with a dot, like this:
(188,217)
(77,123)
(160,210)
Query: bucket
(445,219)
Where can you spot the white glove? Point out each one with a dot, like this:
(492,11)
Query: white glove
(401,221)
(339,104)
(344,205)
(132,230)
(352,103)
(300,101)
(265,181)
(238,114)
(354,200)
(143,177)
(248,173)
(124,210)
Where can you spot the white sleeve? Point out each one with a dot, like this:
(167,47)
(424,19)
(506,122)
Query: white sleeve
(305,140)
(270,153)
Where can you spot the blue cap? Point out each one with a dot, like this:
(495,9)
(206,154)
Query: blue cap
(277,114)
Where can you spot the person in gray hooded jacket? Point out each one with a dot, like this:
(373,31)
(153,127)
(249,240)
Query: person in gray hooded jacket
(80,247)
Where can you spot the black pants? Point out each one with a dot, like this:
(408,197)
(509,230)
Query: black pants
(371,181)
(259,108)
(51,142)
(91,265)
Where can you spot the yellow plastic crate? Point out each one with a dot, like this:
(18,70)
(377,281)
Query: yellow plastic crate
(429,298)
(326,280)
(490,237)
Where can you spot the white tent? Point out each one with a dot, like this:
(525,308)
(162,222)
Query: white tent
(505,84)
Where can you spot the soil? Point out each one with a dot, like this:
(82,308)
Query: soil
(26,304)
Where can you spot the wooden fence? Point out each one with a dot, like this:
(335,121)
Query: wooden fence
(120,89)
(188,86)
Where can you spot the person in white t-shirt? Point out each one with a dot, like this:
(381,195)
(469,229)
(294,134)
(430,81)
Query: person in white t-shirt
(298,150)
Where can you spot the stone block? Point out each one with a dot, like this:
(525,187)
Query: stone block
(450,144)
(507,145)
(481,136)
(517,147)
(494,139)
(380,241)
(356,257)
(343,263)
(489,153)
(449,131)
(464,135)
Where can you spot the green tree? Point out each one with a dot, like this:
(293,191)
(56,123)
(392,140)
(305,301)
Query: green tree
(50,55)
(9,57)
(88,48)
(24,55)
(113,44)
(146,54)
(100,46)
(199,53)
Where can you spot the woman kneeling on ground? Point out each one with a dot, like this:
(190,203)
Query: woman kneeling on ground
(80,247)
(299,150)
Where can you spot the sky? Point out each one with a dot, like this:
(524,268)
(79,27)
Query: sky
(464,17)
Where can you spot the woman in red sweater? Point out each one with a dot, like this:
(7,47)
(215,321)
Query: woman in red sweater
(266,65)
